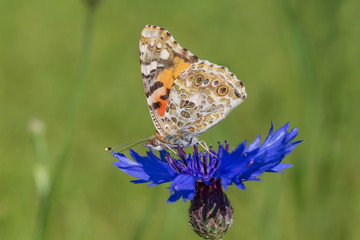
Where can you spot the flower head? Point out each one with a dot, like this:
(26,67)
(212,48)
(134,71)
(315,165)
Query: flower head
(242,164)
(201,176)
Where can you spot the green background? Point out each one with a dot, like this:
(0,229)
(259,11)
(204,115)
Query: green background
(299,61)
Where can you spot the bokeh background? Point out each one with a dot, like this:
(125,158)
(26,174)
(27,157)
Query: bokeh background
(70,84)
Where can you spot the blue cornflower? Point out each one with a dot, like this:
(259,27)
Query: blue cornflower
(201,176)
(242,164)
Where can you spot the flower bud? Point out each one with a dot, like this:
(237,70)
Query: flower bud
(211,214)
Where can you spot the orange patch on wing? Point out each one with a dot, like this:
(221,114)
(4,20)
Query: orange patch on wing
(163,103)
(167,78)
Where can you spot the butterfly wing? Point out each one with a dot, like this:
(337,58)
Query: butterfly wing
(162,59)
(202,96)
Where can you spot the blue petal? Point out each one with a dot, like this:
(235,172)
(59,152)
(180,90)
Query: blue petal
(182,186)
(253,178)
(139,181)
(241,146)
(291,135)
(238,165)
(225,182)
(291,147)
(147,169)
(130,167)
(232,163)
(222,153)
(271,128)
(267,157)
(252,146)
(240,185)
(281,167)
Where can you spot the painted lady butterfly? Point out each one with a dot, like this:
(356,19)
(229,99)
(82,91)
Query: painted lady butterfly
(186,95)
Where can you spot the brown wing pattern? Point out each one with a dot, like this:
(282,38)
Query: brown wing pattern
(203,95)
(162,59)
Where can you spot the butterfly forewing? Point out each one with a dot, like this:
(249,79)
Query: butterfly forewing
(162,60)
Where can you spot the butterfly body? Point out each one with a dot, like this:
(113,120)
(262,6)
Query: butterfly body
(186,95)
(157,141)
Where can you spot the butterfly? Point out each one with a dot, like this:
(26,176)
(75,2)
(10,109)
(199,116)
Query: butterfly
(186,96)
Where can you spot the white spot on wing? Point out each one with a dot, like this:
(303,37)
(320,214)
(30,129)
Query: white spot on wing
(153,65)
(145,69)
(150,33)
(143,48)
(142,68)
(164,54)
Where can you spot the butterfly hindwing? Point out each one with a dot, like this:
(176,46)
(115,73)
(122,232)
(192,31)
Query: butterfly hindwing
(203,95)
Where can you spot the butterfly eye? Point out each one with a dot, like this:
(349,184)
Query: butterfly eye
(222,90)
(206,81)
(199,80)
(191,78)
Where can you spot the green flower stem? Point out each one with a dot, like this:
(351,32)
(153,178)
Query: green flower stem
(73,112)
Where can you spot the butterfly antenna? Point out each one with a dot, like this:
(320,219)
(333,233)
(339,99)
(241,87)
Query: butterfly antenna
(137,142)
(132,146)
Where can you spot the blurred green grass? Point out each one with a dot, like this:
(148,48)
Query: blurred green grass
(299,61)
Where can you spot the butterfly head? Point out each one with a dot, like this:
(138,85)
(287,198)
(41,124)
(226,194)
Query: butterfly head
(154,142)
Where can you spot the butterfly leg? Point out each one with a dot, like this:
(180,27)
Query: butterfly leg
(204,146)
(165,145)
